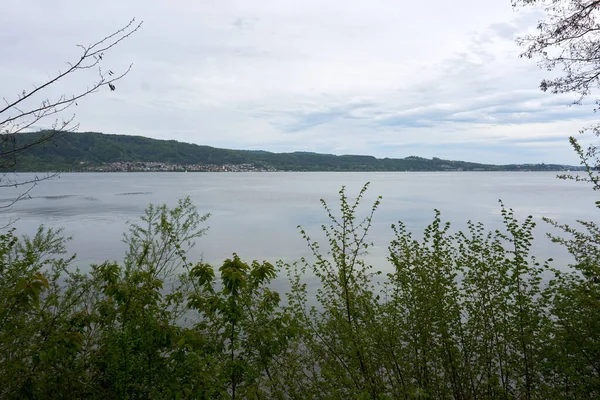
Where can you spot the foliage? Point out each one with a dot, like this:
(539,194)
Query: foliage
(40,310)
(463,315)
(459,315)
(568,38)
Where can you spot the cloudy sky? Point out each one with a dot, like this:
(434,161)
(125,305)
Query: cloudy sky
(379,77)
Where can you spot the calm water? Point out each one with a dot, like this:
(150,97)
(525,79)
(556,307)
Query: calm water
(256,214)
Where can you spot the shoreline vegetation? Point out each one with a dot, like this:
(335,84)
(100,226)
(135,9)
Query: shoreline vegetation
(463,315)
(97,152)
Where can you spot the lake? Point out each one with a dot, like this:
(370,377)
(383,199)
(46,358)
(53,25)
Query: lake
(256,214)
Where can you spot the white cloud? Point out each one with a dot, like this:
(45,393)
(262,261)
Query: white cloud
(362,77)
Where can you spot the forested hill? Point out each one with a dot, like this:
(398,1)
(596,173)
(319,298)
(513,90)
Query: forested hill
(89,151)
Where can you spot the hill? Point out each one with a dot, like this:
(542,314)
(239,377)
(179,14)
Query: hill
(92,151)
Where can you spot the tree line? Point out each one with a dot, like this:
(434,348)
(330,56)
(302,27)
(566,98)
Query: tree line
(70,151)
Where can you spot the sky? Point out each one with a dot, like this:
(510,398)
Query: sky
(378,77)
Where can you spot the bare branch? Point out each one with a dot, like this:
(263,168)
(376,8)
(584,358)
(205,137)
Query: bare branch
(62,101)
(569,38)
(90,52)
(16,118)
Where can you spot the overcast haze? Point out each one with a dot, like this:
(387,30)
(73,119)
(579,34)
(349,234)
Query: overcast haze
(385,78)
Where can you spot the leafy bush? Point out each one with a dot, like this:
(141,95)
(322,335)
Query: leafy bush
(462,315)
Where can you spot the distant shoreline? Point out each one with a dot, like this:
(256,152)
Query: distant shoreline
(284,171)
(97,152)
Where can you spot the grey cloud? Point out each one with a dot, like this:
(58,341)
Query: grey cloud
(505,30)
(250,74)
(245,23)
(297,121)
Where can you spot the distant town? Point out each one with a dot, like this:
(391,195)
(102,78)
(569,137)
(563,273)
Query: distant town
(166,167)
(153,166)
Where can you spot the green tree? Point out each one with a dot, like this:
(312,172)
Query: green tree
(244,325)
(137,317)
(41,314)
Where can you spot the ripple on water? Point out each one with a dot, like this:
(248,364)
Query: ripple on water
(132,193)
(57,197)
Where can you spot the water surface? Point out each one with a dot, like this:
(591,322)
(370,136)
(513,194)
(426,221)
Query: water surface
(256,214)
